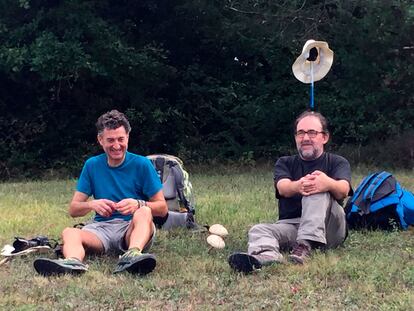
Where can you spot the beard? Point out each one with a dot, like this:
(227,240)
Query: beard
(308,154)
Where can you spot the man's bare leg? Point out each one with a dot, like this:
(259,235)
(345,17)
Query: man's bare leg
(140,230)
(75,241)
(137,237)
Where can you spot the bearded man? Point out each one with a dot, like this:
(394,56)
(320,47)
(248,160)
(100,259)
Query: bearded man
(310,187)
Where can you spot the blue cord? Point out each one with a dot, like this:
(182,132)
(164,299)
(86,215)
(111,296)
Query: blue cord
(312,105)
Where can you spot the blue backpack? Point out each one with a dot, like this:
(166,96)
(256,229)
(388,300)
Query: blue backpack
(379,202)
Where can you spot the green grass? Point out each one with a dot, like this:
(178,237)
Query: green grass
(373,271)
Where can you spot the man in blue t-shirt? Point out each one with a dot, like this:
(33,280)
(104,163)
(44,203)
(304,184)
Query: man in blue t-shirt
(125,193)
(310,187)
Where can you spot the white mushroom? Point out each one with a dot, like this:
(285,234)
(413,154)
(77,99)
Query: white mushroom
(219,230)
(216,241)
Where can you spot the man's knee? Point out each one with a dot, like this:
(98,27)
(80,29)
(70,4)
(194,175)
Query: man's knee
(70,232)
(264,230)
(143,214)
(257,229)
(317,198)
(316,205)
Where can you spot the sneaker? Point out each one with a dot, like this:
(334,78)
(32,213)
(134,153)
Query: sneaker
(135,262)
(22,246)
(242,262)
(300,254)
(47,267)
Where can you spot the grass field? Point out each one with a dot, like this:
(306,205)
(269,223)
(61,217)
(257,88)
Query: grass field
(373,271)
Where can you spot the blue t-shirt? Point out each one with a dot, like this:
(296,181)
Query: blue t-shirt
(135,178)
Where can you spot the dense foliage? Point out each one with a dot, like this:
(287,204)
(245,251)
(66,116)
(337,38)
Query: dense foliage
(202,79)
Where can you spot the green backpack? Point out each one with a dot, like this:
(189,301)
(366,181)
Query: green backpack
(177,189)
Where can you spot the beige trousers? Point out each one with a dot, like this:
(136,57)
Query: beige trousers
(322,221)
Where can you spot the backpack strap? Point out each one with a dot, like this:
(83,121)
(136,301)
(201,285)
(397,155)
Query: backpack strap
(159,167)
(362,186)
(401,209)
(369,193)
(179,183)
(407,207)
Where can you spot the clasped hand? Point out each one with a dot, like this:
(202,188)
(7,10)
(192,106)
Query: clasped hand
(106,207)
(313,183)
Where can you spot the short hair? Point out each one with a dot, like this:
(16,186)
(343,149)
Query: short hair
(111,120)
(318,115)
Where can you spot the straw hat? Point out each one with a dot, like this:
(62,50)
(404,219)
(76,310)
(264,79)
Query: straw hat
(320,59)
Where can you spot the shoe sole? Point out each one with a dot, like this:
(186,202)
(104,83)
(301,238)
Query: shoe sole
(40,249)
(296,260)
(244,263)
(140,265)
(48,267)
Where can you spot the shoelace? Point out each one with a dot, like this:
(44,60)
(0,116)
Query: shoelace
(131,253)
(300,249)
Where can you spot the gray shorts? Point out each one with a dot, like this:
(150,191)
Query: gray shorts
(112,234)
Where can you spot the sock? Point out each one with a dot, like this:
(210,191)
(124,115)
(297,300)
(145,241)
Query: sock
(135,250)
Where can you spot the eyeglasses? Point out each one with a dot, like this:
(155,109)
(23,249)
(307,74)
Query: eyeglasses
(311,133)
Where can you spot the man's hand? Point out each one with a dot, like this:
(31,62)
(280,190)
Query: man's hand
(316,182)
(127,206)
(313,183)
(103,207)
